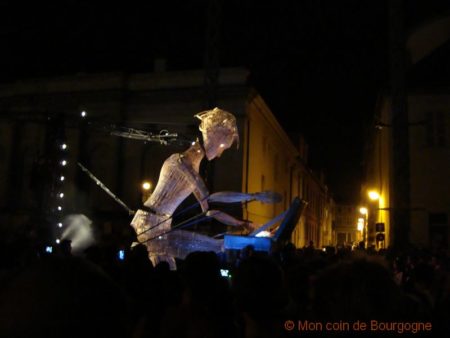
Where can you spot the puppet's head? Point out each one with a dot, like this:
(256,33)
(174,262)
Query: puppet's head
(219,131)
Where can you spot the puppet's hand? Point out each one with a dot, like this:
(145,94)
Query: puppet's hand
(268,197)
(204,205)
(250,226)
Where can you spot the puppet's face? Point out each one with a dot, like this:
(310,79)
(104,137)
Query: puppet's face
(219,131)
(216,141)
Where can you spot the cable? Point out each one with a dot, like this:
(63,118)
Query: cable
(172,216)
(184,224)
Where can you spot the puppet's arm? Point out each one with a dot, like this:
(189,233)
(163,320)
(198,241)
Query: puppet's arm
(236,197)
(230,220)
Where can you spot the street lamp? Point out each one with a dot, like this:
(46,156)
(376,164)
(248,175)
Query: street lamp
(373,195)
(146,185)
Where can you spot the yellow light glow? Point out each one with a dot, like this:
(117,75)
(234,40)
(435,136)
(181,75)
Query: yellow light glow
(363,210)
(146,185)
(382,202)
(373,195)
(361,223)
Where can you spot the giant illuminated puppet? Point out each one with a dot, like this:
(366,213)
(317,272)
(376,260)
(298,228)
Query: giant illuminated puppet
(179,177)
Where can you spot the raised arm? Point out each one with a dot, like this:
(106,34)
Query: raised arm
(236,197)
(239,197)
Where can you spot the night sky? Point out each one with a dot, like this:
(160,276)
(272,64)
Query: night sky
(321,63)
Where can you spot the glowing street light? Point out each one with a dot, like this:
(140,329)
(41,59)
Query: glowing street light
(146,185)
(83,113)
(373,195)
(363,210)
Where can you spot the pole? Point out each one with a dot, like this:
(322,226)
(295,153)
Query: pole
(105,189)
(400,133)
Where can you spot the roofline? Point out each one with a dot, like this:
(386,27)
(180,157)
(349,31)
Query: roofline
(112,81)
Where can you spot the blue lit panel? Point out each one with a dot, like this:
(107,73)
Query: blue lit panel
(240,242)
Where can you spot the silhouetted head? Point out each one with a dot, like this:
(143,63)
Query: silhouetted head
(259,287)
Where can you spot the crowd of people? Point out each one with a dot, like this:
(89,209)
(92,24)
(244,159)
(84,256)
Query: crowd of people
(243,294)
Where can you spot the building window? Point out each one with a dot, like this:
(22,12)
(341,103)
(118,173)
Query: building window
(264,144)
(276,166)
(438,230)
(437,218)
(441,129)
(300,186)
(436,129)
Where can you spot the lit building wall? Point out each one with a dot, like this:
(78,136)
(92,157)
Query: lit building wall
(429,116)
(428,107)
(270,158)
(346,220)
(272,162)
(430,167)
(378,179)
